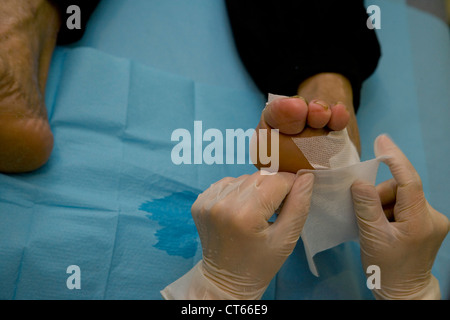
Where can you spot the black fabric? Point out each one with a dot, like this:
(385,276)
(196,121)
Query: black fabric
(284,42)
(87,7)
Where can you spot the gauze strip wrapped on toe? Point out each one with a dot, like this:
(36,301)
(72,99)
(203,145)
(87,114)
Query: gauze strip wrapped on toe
(334,150)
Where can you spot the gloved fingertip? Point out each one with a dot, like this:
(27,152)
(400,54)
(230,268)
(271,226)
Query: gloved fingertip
(295,210)
(364,191)
(380,143)
(307,177)
(366,201)
(358,184)
(305,181)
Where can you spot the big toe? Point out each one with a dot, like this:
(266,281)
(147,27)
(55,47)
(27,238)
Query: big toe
(289,115)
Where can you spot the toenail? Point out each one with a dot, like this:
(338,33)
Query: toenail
(299,97)
(341,103)
(323,104)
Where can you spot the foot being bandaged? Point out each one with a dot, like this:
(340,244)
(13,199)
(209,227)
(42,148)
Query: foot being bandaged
(331,220)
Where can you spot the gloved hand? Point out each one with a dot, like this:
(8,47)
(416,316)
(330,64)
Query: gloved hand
(242,251)
(399,231)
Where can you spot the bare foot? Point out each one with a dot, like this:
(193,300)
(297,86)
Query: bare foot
(28,32)
(334,91)
(324,103)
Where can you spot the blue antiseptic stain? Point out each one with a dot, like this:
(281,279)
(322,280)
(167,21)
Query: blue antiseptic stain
(178,235)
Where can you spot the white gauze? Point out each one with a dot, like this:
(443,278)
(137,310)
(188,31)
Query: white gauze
(331,219)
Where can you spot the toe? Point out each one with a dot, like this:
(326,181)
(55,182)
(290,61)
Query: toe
(339,117)
(289,115)
(319,114)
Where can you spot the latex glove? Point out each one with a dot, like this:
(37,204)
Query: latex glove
(399,231)
(242,251)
